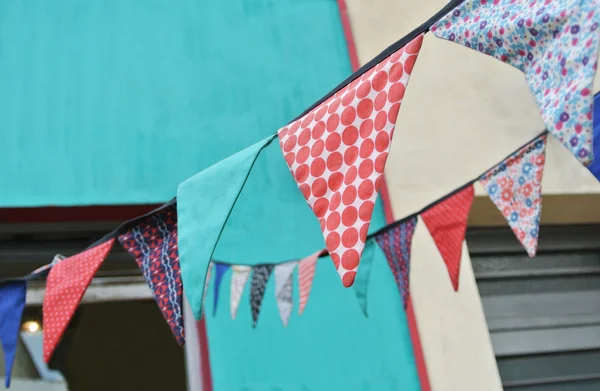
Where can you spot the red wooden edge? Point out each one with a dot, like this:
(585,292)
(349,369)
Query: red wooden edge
(204,356)
(73,214)
(389,216)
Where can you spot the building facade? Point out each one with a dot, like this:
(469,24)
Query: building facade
(113,105)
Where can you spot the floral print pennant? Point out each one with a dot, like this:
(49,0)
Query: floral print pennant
(515,186)
(337,153)
(554,42)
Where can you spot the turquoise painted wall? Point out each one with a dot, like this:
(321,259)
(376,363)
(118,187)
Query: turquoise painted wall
(117,102)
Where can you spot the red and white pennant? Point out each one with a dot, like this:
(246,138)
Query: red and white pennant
(337,153)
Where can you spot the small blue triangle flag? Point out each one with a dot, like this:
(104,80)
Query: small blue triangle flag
(12,303)
(220,269)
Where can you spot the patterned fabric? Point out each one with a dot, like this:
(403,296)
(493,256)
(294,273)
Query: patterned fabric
(447,224)
(515,186)
(283,289)
(260,277)
(153,244)
(396,243)
(337,153)
(306,274)
(239,276)
(554,42)
(12,304)
(220,269)
(66,284)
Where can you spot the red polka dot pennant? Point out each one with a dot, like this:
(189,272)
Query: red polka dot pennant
(447,224)
(337,153)
(67,282)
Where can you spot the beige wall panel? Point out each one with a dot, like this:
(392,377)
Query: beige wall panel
(456,342)
(463,112)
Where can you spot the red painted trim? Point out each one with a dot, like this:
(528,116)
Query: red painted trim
(204,356)
(389,216)
(413,328)
(385,199)
(347,26)
(55,214)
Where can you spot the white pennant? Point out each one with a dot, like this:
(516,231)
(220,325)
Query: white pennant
(239,277)
(207,282)
(283,289)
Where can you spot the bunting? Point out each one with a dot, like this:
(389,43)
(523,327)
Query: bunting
(554,42)
(12,304)
(361,284)
(220,269)
(396,245)
(447,224)
(153,245)
(66,284)
(283,289)
(239,276)
(306,274)
(515,187)
(260,277)
(337,153)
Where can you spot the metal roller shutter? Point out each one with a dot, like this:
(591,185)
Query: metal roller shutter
(543,313)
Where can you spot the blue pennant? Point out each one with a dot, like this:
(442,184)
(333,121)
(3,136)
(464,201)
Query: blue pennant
(595,166)
(12,303)
(220,269)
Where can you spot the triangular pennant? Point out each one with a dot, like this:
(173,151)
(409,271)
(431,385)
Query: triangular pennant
(396,245)
(361,284)
(66,284)
(153,244)
(555,43)
(595,166)
(220,269)
(515,187)
(260,277)
(203,208)
(239,276)
(306,274)
(337,153)
(283,289)
(447,224)
(12,303)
